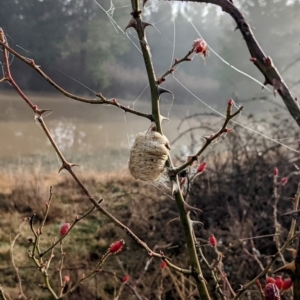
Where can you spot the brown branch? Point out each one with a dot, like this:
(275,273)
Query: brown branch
(277,225)
(258,57)
(12,244)
(99,100)
(211,138)
(176,62)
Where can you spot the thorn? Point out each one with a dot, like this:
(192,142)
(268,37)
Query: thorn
(196,223)
(145,24)
(267,81)
(42,111)
(162,90)
(61,168)
(207,137)
(74,165)
(189,208)
(175,219)
(164,118)
(241,288)
(132,23)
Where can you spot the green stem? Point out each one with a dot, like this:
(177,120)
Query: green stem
(185,219)
(189,237)
(148,64)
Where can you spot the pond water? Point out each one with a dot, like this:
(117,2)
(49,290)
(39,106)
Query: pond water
(97,137)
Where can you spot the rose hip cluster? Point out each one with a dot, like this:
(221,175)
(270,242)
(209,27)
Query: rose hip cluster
(276,285)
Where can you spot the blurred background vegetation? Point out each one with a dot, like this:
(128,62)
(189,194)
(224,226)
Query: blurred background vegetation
(78,38)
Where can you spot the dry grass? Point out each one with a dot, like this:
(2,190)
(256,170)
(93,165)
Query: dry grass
(143,208)
(235,194)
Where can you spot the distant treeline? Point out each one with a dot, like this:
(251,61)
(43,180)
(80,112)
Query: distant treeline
(80,39)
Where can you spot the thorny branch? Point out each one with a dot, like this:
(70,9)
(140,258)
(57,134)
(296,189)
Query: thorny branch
(211,138)
(263,62)
(100,99)
(137,23)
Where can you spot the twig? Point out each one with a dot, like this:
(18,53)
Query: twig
(62,284)
(100,99)
(77,219)
(12,244)
(276,223)
(210,139)
(258,57)
(176,62)
(2,294)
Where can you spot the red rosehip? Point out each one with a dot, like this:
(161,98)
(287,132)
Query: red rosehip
(64,229)
(287,283)
(201,168)
(116,247)
(279,282)
(200,47)
(270,279)
(284,180)
(212,240)
(271,292)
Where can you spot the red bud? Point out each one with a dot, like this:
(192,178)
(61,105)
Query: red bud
(163,264)
(116,246)
(270,280)
(64,229)
(275,171)
(201,168)
(66,279)
(287,283)
(126,278)
(284,180)
(212,240)
(200,47)
(228,130)
(230,102)
(279,282)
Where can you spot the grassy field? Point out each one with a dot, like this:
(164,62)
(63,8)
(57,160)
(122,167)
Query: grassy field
(141,207)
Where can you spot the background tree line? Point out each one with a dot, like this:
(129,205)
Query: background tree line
(77,38)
